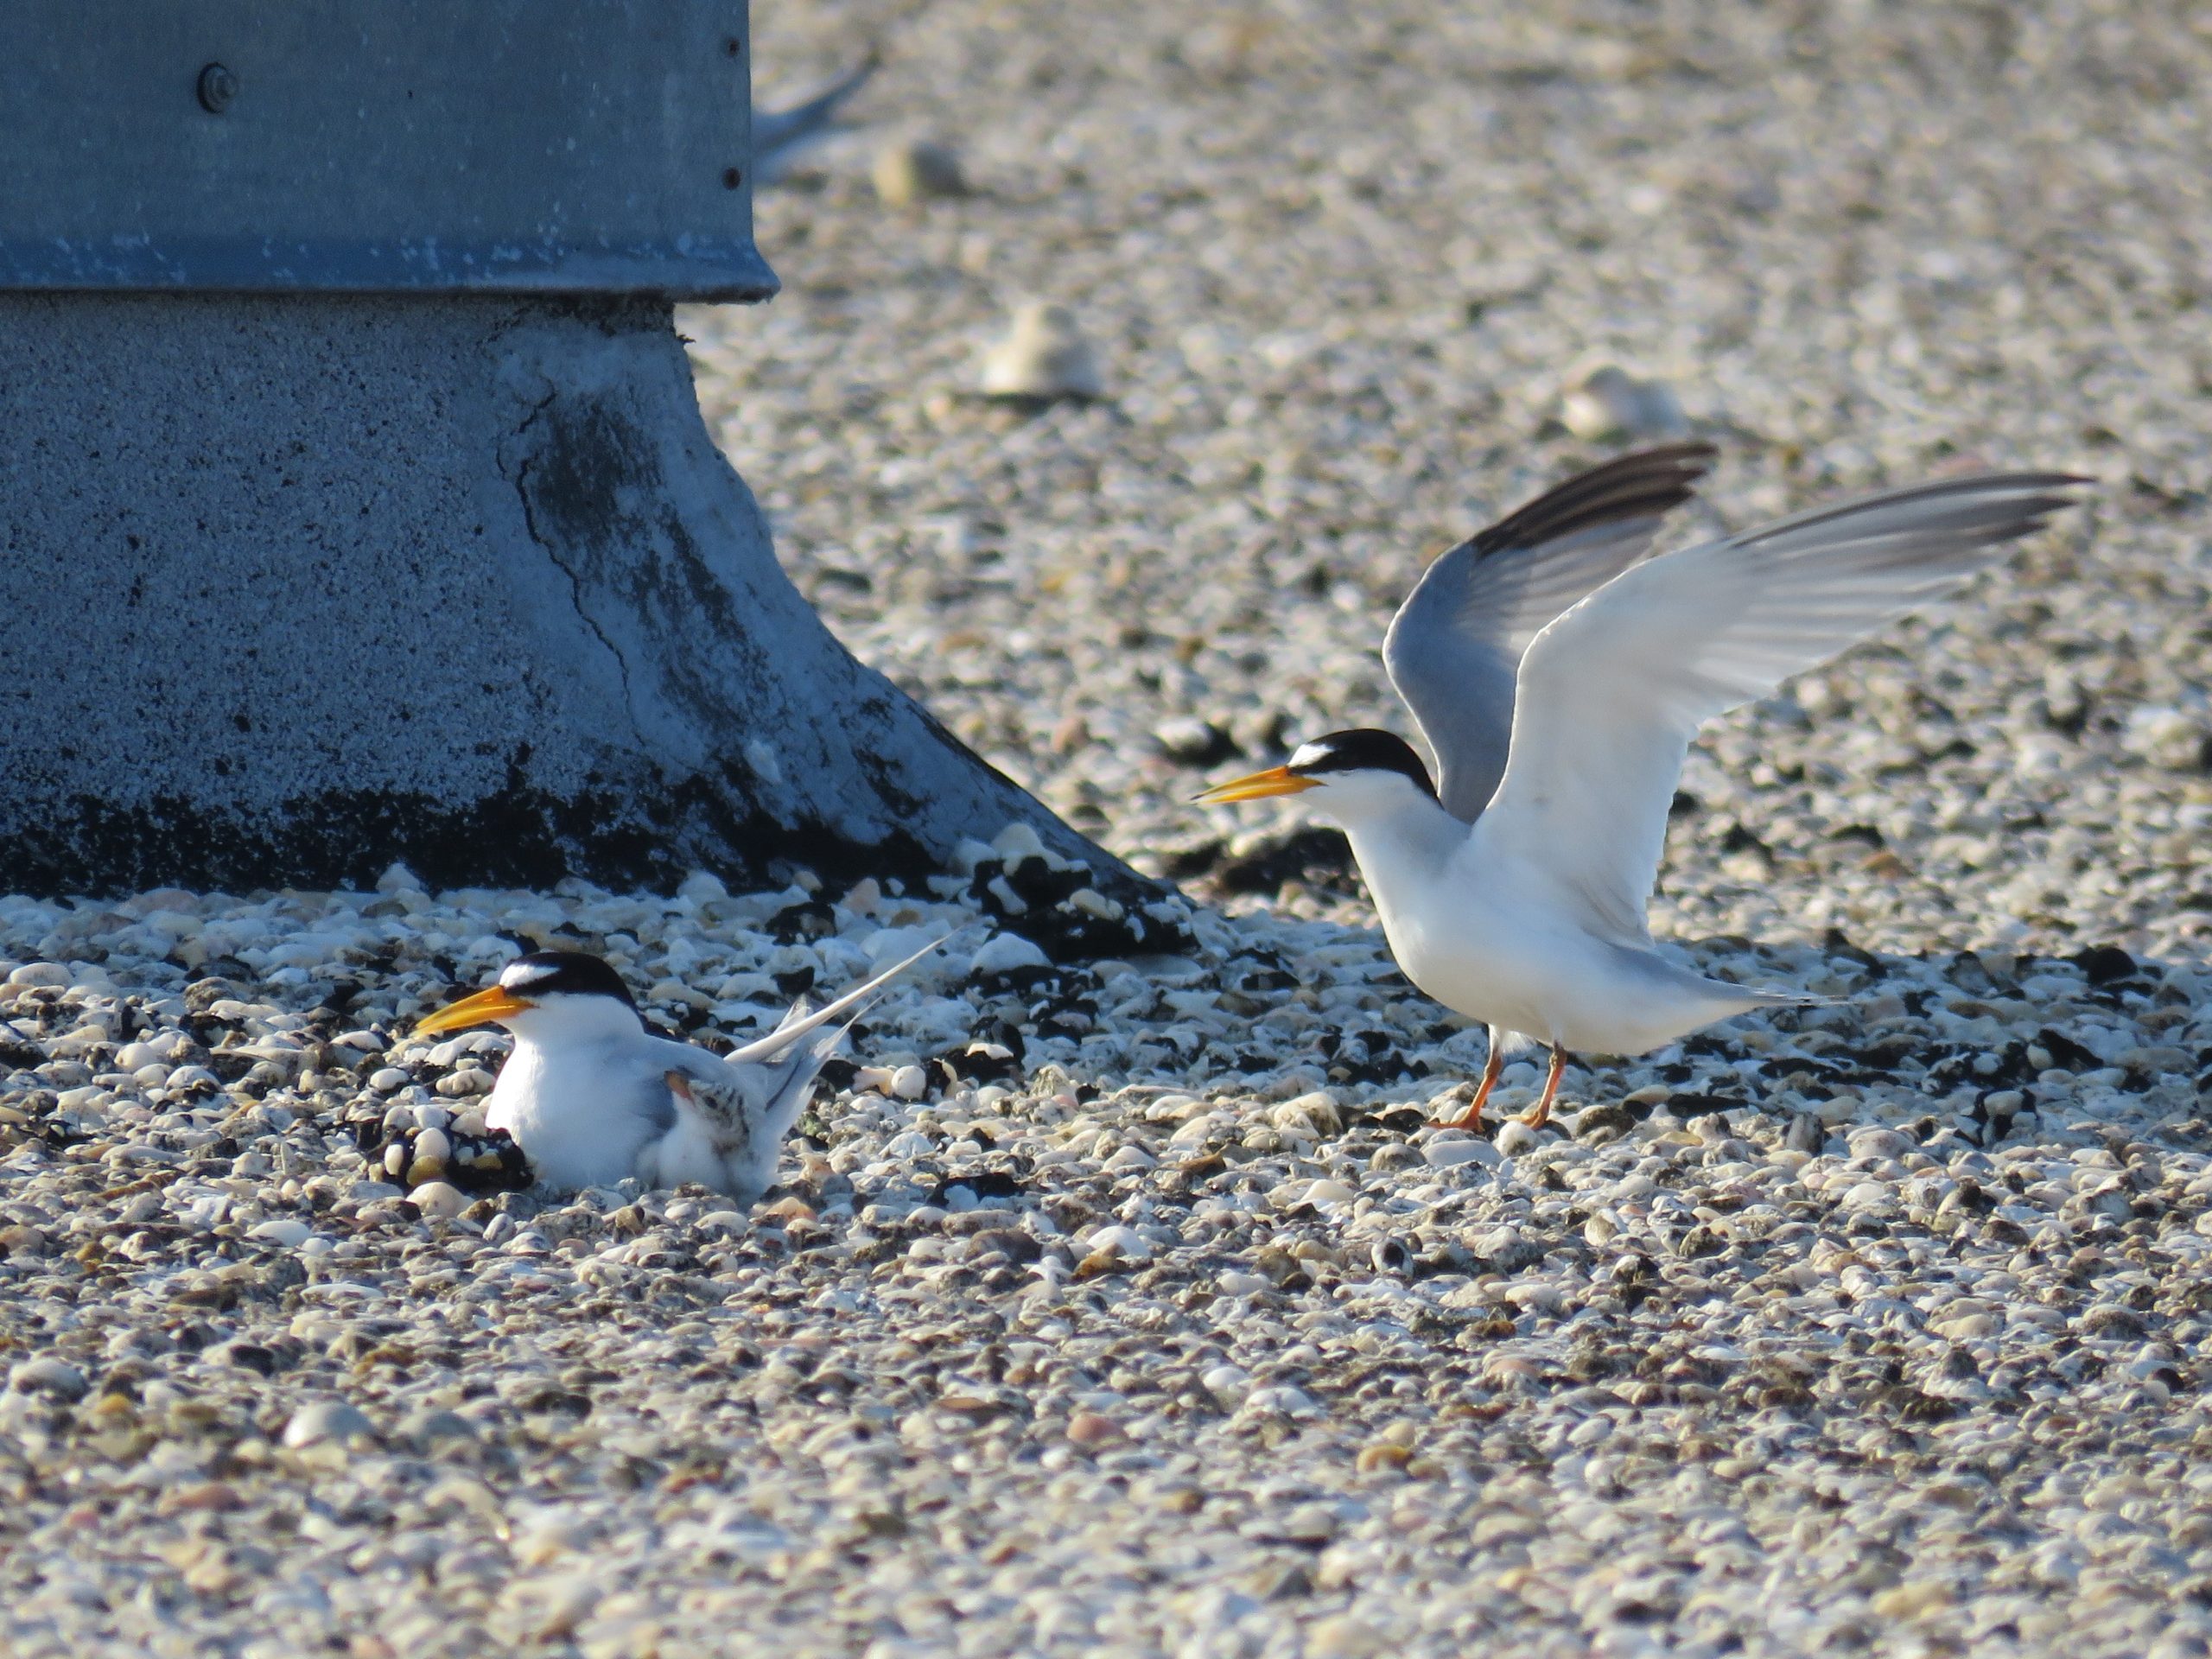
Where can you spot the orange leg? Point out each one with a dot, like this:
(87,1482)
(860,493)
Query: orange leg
(1541,1113)
(1472,1117)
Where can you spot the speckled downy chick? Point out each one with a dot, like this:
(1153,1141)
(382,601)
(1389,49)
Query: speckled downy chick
(593,1097)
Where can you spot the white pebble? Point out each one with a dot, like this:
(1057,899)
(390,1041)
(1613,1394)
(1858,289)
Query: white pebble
(439,1199)
(288,1230)
(328,1420)
(1115,1241)
(1513,1138)
(1610,403)
(1227,1381)
(910,1083)
(1004,953)
(909,169)
(1449,1154)
(1018,842)
(48,1375)
(1044,355)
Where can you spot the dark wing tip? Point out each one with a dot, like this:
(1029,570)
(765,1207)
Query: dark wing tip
(1645,484)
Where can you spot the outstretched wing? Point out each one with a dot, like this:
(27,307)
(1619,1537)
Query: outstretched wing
(752,1095)
(1455,645)
(780,136)
(1611,693)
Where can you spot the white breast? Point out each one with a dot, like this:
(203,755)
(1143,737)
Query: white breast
(575,1112)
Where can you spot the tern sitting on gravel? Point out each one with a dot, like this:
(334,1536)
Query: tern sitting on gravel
(1559,674)
(593,1097)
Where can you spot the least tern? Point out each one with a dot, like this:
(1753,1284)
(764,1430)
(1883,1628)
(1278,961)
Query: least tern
(593,1097)
(1558,672)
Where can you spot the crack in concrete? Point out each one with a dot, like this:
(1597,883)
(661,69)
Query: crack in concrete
(532,454)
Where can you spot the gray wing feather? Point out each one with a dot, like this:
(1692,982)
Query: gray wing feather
(752,1095)
(780,136)
(1612,692)
(1455,646)
(654,1107)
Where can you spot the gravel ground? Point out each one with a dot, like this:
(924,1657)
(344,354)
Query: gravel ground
(1125,1305)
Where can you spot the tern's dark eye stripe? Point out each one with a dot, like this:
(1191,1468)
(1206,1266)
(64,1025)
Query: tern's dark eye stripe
(1365,750)
(571,973)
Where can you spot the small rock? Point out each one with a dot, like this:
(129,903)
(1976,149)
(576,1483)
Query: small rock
(1878,1143)
(327,1419)
(1382,1454)
(1193,742)
(1309,1523)
(1342,1636)
(1225,1381)
(201,1498)
(1006,953)
(439,1199)
(1119,1243)
(1513,1138)
(386,1078)
(288,1231)
(908,170)
(1043,356)
(1450,1154)
(1610,403)
(1092,1428)
(910,1083)
(428,1427)
(2167,737)
(1806,1133)
(1605,1122)
(1317,1111)
(50,1377)
(1913,1599)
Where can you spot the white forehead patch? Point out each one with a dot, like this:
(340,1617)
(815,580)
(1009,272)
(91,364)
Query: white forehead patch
(1309,755)
(520,974)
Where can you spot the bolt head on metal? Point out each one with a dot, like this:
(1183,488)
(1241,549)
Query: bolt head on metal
(218,87)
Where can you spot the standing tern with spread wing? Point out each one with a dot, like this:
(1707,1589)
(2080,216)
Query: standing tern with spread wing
(1559,672)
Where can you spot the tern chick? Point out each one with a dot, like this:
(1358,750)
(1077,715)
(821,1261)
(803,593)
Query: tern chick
(1559,674)
(593,1097)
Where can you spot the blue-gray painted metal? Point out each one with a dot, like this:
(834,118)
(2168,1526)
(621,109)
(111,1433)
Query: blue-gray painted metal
(546,146)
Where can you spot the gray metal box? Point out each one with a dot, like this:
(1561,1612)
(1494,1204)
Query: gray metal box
(540,146)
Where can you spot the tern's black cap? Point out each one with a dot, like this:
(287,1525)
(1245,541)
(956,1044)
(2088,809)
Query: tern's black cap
(1365,750)
(565,973)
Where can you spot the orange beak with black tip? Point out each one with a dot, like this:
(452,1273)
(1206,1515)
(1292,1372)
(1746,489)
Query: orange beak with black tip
(1258,786)
(485,1006)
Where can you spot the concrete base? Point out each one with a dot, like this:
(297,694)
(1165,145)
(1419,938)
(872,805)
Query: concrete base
(292,587)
